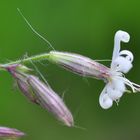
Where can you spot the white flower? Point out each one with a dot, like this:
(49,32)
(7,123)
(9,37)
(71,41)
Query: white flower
(113,77)
(121,63)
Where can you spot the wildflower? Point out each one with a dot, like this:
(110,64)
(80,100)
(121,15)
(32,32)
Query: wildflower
(113,77)
(10,133)
(40,93)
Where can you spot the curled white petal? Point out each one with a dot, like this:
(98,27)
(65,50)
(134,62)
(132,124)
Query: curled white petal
(122,64)
(104,100)
(114,94)
(122,36)
(127,54)
(117,84)
(119,36)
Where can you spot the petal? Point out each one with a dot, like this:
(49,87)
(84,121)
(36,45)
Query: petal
(119,36)
(117,84)
(121,64)
(114,94)
(104,100)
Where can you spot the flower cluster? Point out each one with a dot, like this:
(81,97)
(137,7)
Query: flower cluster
(41,93)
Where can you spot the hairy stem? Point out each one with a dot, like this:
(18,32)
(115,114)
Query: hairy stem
(27,60)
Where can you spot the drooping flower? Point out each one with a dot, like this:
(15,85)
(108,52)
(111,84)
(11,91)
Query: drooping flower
(113,77)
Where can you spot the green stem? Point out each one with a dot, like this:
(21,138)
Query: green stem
(26,60)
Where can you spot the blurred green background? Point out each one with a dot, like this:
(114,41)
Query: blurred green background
(81,26)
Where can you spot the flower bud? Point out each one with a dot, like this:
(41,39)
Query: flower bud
(49,100)
(21,80)
(25,88)
(42,94)
(10,133)
(79,64)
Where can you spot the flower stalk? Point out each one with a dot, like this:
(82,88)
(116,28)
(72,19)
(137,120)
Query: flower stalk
(28,60)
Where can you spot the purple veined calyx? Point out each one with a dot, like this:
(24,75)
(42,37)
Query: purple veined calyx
(41,93)
(10,133)
(114,76)
(20,78)
(49,100)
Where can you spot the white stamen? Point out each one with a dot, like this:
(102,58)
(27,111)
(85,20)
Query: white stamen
(130,84)
(135,84)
